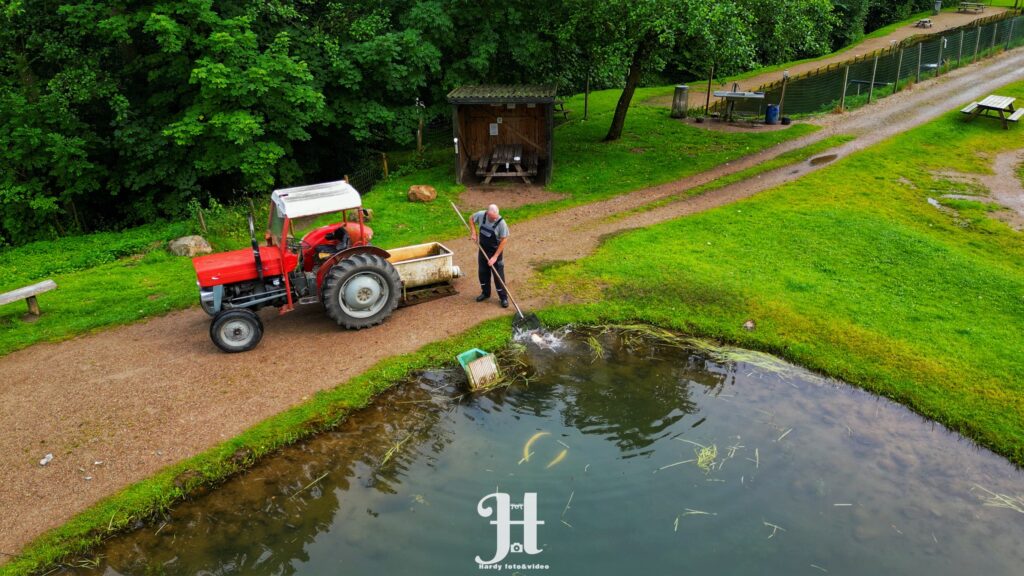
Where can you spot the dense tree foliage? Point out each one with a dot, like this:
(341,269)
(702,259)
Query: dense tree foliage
(115,112)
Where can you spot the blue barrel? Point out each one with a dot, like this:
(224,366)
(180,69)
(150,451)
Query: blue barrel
(771,115)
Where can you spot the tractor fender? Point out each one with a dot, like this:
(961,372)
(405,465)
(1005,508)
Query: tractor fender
(330,262)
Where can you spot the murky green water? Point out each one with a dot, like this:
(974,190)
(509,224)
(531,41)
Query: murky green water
(797,475)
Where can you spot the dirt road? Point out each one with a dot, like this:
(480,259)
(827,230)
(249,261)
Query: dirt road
(140,397)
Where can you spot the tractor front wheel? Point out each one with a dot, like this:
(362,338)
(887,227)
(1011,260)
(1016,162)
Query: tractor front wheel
(236,330)
(361,291)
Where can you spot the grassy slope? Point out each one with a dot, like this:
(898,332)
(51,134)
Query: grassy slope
(852,272)
(99,287)
(653,150)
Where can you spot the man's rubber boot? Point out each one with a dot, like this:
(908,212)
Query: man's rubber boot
(482,297)
(504,303)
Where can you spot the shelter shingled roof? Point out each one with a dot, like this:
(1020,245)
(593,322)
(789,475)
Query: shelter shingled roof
(503,93)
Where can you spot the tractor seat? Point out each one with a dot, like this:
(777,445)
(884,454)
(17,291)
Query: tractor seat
(339,234)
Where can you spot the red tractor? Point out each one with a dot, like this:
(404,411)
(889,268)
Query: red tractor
(334,264)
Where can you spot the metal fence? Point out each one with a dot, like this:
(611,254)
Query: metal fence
(850,84)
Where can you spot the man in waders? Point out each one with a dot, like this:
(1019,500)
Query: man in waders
(492,236)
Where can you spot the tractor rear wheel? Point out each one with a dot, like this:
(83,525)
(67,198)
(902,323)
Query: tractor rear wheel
(236,330)
(361,291)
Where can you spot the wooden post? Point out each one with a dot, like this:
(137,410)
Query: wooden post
(1009,35)
(33,305)
(846,82)
(874,71)
(346,179)
(995,32)
(782,97)
(977,43)
(586,98)
(920,54)
(202,221)
(960,50)
(707,102)
(419,137)
(938,65)
(384,162)
(899,69)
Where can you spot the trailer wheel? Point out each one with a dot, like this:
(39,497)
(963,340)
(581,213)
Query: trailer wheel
(361,291)
(236,330)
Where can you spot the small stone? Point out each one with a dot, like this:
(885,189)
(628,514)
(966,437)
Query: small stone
(189,246)
(422,193)
(749,325)
(46,460)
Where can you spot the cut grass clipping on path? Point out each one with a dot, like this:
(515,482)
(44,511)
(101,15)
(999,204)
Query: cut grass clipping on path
(112,278)
(850,271)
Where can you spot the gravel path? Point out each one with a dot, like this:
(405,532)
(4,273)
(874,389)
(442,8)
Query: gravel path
(140,397)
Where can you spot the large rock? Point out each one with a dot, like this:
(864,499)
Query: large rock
(421,193)
(189,246)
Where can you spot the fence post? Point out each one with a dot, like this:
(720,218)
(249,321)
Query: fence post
(995,32)
(846,82)
(874,70)
(960,50)
(384,161)
(782,97)
(938,64)
(920,54)
(977,43)
(899,69)
(1009,35)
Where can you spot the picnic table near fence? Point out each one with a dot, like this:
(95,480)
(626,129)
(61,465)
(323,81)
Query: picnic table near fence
(732,97)
(971,7)
(995,106)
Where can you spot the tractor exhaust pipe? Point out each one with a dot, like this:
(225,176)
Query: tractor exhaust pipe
(256,251)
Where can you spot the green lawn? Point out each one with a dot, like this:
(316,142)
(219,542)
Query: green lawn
(849,271)
(114,278)
(654,149)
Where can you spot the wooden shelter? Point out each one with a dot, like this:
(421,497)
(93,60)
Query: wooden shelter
(503,131)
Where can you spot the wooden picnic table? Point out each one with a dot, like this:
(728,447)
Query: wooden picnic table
(995,106)
(971,7)
(924,23)
(732,97)
(506,161)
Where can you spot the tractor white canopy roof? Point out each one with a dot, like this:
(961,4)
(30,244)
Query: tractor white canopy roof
(316,199)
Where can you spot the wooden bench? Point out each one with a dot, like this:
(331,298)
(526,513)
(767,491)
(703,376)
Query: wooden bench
(28,294)
(559,108)
(924,23)
(970,108)
(971,7)
(1016,116)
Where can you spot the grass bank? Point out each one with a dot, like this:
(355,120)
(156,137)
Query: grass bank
(325,410)
(116,278)
(849,271)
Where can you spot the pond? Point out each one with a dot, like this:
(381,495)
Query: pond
(633,455)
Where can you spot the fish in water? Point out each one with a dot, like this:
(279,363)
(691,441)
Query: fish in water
(545,340)
(526,447)
(559,458)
